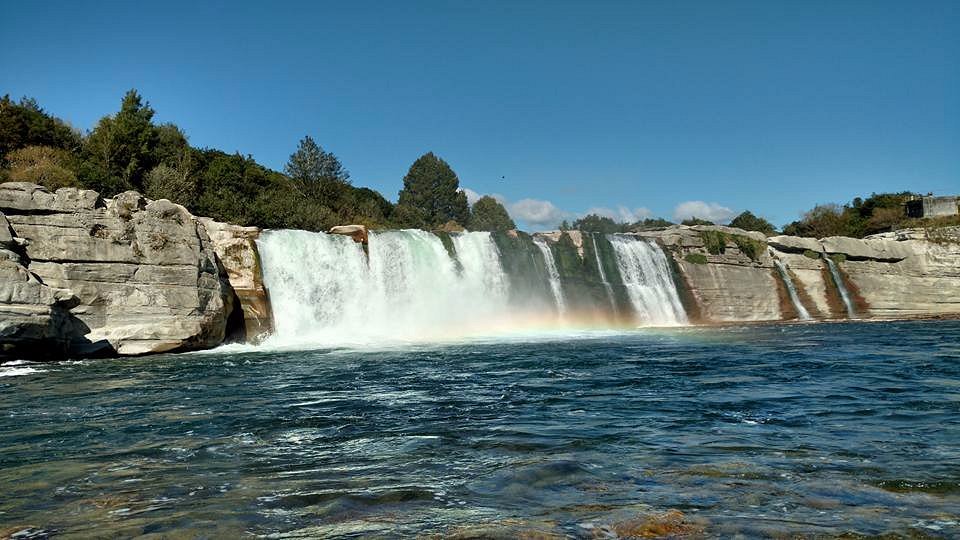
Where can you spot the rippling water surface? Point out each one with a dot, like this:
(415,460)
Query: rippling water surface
(813,430)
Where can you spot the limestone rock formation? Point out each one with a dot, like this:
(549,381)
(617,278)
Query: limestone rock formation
(236,247)
(357,232)
(34,319)
(144,273)
(730,286)
(903,274)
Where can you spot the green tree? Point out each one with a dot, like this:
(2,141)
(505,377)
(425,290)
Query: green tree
(121,148)
(311,163)
(26,124)
(598,223)
(695,221)
(432,188)
(650,223)
(749,222)
(174,184)
(487,214)
(409,217)
(823,220)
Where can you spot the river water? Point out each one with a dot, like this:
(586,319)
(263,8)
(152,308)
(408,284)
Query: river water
(816,430)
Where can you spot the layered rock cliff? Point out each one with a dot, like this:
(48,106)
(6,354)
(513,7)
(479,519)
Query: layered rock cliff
(100,277)
(83,276)
(909,273)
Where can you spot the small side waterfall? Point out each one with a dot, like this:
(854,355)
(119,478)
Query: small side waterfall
(552,274)
(791,290)
(649,282)
(325,292)
(603,274)
(838,281)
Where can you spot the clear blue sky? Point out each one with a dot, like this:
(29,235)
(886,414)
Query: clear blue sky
(768,106)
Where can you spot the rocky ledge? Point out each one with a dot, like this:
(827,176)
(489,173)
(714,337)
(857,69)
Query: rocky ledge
(732,276)
(87,276)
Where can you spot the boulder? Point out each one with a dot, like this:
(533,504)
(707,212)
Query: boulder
(145,274)
(357,232)
(794,244)
(35,321)
(878,249)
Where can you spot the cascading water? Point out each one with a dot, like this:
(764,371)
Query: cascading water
(552,274)
(838,281)
(325,290)
(603,274)
(649,282)
(791,290)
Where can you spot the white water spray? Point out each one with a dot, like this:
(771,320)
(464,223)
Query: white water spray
(649,282)
(603,274)
(552,274)
(791,290)
(838,280)
(324,291)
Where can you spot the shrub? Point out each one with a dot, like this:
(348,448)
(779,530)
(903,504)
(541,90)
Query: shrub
(749,247)
(810,254)
(749,222)
(838,257)
(165,182)
(695,258)
(52,168)
(715,242)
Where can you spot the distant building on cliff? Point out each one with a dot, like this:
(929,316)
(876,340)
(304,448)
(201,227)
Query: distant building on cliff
(930,206)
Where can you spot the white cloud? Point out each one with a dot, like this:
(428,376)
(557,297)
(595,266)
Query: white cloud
(472,196)
(709,211)
(537,213)
(621,214)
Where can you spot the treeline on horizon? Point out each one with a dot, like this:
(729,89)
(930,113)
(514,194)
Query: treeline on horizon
(128,151)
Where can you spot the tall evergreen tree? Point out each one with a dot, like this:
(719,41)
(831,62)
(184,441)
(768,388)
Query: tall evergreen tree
(122,148)
(487,214)
(26,124)
(432,188)
(749,222)
(311,163)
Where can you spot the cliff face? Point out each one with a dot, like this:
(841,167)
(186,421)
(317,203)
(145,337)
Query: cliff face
(81,275)
(909,273)
(236,247)
(119,276)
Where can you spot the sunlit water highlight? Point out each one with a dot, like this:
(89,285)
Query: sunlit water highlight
(820,430)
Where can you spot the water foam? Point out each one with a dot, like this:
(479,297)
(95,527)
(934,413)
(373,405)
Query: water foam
(326,291)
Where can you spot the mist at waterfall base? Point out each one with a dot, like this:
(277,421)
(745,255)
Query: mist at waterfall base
(826,430)
(409,287)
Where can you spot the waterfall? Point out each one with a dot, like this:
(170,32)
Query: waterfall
(552,274)
(838,280)
(603,274)
(791,290)
(325,290)
(648,280)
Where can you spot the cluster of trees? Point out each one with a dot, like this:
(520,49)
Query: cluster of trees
(129,151)
(880,212)
(606,225)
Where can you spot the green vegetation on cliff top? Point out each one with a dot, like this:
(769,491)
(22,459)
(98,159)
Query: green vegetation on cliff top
(128,150)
